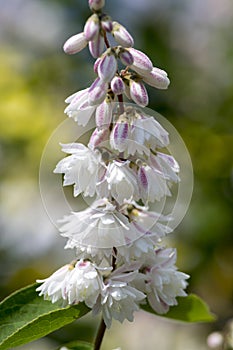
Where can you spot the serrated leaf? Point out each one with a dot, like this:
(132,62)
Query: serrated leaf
(26,317)
(77,345)
(189,309)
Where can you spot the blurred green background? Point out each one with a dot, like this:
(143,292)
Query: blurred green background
(192,41)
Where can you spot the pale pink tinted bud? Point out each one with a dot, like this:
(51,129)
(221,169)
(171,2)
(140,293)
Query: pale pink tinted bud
(119,136)
(91,27)
(157,78)
(97,137)
(75,44)
(96,4)
(117,86)
(142,178)
(107,67)
(141,62)
(103,114)
(97,92)
(106,24)
(138,93)
(96,65)
(96,46)
(126,57)
(121,35)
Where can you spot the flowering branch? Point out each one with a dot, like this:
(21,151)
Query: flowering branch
(120,261)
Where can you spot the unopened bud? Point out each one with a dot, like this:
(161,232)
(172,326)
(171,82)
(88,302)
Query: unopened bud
(91,27)
(106,24)
(96,65)
(117,86)
(119,136)
(141,62)
(142,178)
(97,92)
(157,78)
(126,57)
(121,35)
(96,46)
(98,136)
(103,114)
(138,93)
(75,44)
(96,4)
(107,67)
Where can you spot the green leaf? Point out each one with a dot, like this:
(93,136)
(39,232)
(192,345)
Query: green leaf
(189,309)
(77,345)
(25,317)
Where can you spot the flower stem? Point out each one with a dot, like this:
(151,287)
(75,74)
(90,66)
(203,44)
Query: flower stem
(100,335)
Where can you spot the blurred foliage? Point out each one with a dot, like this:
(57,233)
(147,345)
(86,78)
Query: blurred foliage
(198,55)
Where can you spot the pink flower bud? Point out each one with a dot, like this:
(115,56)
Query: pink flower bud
(96,46)
(97,137)
(96,4)
(107,67)
(75,44)
(121,35)
(141,63)
(138,93)
(103,114)
(119,136)
(96,65)
(117,86)
(157,78)
(97,92)
(142,178)
(91,27)
(106,24)
(126,57)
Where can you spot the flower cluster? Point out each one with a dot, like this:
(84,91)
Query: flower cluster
(120,260)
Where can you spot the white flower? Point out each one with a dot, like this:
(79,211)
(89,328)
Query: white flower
(138,250)
(152,185)
(80,168)
(94,254)
(149,132)
(83,104)
(84,284)
(149,223)
(119,299)
(165,165)
(163,283)
(54,287)
(79,108)
(155,176)
(99,226)
(134,132)
(119,181)
(73,283)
